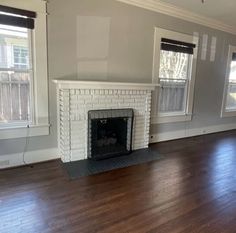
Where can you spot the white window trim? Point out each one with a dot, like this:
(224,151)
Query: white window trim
(178,117)
(169,119)
(40,126)
(224,111)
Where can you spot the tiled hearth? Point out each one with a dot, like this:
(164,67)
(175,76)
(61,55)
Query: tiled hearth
(76,98)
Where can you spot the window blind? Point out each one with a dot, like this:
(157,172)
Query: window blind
(177,46)
(17,17)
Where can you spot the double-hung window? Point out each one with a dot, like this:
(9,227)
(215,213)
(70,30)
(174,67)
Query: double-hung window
(16,73)
(229,99)
(174,69)
(23,70)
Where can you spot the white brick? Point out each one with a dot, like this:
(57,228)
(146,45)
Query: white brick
(125,96)
(82,92)
(72,92)
(115,100)
(74,98)
(99,106)
(85,97)
(105,101)
(87,92)
(86,107)
(100,97)
(91,101)
(80,101)
(77,155)
(126,105)
(77,145)
(102,92)
(74,107)
(96,92)
(129,100)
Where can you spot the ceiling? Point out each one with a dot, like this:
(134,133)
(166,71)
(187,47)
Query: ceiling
(221,10)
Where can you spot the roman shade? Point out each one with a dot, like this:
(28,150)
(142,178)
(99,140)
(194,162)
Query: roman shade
(177,46)
(17,17)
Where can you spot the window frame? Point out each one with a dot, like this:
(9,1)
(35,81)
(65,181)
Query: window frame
(40,124)
(27,70)
(224,111)
(159,118)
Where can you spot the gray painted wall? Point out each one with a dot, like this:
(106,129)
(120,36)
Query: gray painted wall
(129,58)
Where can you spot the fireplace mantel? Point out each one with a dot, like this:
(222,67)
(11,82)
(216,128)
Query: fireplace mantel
(79,84)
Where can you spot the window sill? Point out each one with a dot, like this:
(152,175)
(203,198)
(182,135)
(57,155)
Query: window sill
(228,114)
(170,119)
(23,131)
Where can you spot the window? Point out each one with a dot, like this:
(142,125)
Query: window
(174,69)
(23,69)
(16,77)
(229,100)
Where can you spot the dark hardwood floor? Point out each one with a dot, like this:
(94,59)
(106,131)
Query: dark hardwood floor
(192,189)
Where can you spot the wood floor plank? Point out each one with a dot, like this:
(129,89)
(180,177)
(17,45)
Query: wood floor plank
(192,189)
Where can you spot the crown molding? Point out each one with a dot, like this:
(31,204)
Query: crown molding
(171,10)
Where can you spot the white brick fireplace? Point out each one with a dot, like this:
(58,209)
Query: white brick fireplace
(76,98)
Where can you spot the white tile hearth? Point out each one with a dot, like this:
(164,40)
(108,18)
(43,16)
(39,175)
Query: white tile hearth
(76,98)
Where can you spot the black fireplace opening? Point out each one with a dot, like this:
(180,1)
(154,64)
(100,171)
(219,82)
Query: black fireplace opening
(110,133)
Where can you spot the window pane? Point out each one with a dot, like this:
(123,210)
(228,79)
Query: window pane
(231,97)
(14,75)
(232,76)
(172,96)
(21,57)
(173,65)
(173,80)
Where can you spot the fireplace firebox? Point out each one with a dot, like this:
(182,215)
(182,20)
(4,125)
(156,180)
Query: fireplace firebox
(109,133)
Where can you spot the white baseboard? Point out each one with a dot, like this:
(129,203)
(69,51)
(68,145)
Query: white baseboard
(166,136)
(15,160)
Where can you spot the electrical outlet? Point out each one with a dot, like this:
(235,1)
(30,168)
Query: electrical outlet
(4,163)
